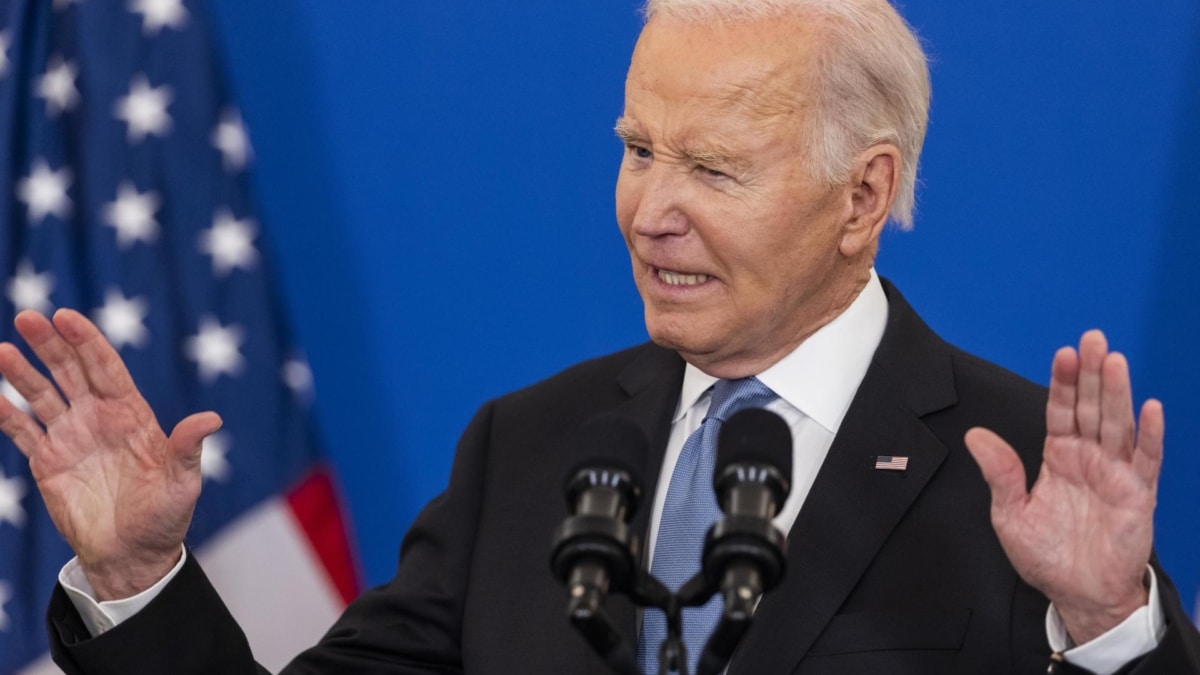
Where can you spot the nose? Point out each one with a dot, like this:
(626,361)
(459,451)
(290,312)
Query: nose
(659,210)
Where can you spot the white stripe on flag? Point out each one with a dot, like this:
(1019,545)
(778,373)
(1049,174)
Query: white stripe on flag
(276,588)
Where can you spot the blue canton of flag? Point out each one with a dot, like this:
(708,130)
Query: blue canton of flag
(123,194)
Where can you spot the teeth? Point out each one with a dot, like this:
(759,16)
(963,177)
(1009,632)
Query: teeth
(677,279)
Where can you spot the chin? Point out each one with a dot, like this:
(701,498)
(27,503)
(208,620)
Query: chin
(663,338)
(686,336)
(701,344)
(666,334)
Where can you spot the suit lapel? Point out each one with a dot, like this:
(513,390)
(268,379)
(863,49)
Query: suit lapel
(853,508)
(652,383)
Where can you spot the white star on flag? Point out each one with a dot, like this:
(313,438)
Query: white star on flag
(132,214)
(12,490)
(30,290)
(57,86)
(159,13)
(8,391)
(215,349)
(120,319)
(45,191)
(5,43)
(213,464)
(230,242)
(145,109)
(5,596)
(298,377)
(231,139)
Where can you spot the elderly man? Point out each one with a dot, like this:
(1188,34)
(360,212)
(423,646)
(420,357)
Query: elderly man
(767,143)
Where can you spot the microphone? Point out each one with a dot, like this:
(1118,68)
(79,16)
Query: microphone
(594,551)
(744,552)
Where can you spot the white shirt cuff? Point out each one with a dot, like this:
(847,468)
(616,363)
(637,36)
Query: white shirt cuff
(100,617)
(1138,634)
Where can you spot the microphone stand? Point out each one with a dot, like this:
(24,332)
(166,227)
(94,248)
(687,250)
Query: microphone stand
(648,592)
(595,552)
(732,550)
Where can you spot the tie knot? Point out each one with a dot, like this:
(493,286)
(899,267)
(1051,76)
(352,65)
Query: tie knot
(730,396)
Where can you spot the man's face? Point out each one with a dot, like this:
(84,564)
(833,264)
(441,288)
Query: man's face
(735,248)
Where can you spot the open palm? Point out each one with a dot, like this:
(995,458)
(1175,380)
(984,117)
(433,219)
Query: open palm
(118,489)
(1082,535)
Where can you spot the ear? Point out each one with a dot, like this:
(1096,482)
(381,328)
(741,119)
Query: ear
(873,189)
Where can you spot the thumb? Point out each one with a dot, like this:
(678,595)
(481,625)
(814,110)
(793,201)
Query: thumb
(1001,468)
(186,440)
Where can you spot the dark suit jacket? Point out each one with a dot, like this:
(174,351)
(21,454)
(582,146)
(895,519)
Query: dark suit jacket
(890,572)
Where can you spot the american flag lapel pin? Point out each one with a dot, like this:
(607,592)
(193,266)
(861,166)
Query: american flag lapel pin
(891,463)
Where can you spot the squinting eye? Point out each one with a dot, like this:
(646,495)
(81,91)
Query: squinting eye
(713,172)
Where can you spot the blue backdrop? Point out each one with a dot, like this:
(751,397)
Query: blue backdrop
(437,178)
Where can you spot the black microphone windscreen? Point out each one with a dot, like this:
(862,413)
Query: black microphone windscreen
(611,441)
(755,436)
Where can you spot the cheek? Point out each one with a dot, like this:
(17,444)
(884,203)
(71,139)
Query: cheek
(776,262)
(626,203)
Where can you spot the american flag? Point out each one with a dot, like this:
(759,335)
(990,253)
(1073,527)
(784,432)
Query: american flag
(123,193)
(890,463)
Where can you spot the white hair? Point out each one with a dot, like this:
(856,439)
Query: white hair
(873,81)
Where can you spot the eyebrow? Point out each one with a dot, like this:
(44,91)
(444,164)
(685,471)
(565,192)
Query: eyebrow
(625,131)
(712,156)
(717,158)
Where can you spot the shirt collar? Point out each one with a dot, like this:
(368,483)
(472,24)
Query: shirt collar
(820,376)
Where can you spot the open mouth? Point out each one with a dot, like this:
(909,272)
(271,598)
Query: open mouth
(681,278)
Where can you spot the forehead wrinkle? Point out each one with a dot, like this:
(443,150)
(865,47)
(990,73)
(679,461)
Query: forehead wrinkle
(771,93)
(769,96)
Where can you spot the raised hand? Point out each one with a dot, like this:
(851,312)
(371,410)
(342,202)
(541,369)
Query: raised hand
(119,489)
(1082,535)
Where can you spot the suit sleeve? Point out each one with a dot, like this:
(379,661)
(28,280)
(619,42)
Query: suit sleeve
(1178,652)
(186,625)
(1179,649)
(411,625)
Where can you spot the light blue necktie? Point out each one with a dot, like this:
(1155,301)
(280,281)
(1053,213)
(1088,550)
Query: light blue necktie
(689,510)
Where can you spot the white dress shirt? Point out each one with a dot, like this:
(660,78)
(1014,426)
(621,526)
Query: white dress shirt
(815,384)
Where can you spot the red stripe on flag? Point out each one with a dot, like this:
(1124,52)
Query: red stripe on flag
(318,510)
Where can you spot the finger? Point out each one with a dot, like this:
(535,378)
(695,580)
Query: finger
(1092,349)
(102,366)
(58,356)
(1148,455)
(38,392)
(1001,468)
(1060,408)
(25,433)
(187,438)
(1116,408)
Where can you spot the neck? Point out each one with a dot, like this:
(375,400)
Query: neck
(748,364)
